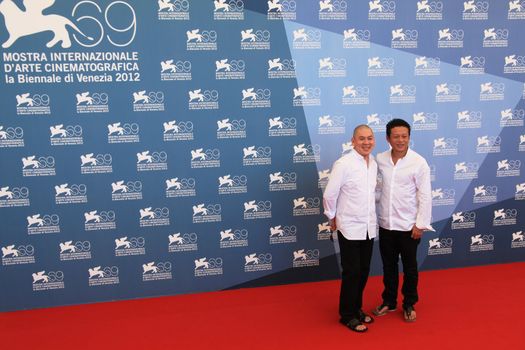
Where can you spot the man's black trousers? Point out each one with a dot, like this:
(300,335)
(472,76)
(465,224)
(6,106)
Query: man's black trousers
(393,244)
(355,263)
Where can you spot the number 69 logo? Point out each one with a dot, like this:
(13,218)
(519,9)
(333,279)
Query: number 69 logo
(119,24)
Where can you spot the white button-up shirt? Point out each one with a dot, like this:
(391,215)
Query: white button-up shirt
(350,196)
(405,197)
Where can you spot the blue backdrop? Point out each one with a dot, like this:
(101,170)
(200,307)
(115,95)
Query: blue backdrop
(165,147)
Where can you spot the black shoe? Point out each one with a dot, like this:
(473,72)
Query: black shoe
(409,313)
(365,318)
(383,309)
(353,324)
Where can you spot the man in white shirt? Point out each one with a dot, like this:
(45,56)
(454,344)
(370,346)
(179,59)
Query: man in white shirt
(404,211)
(349,204)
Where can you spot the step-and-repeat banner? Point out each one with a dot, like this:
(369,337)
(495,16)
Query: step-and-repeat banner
(176,146)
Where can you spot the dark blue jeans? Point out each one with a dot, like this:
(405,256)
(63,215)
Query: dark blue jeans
(355,263)
(393,244)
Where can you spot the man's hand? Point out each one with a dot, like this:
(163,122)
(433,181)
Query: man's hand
(333,228)
(416,232)
(333,225)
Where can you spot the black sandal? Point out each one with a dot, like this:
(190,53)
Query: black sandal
(407,313)
(353,324)
(365,318)
(383,309)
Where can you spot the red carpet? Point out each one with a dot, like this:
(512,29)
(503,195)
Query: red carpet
(470,308)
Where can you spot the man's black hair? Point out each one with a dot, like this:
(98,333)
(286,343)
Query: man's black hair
(395,123)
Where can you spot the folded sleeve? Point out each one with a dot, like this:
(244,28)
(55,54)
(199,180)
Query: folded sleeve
(424,198)
(331,192)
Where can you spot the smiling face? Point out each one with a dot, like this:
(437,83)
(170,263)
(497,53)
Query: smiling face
(399,139)
(363,141)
